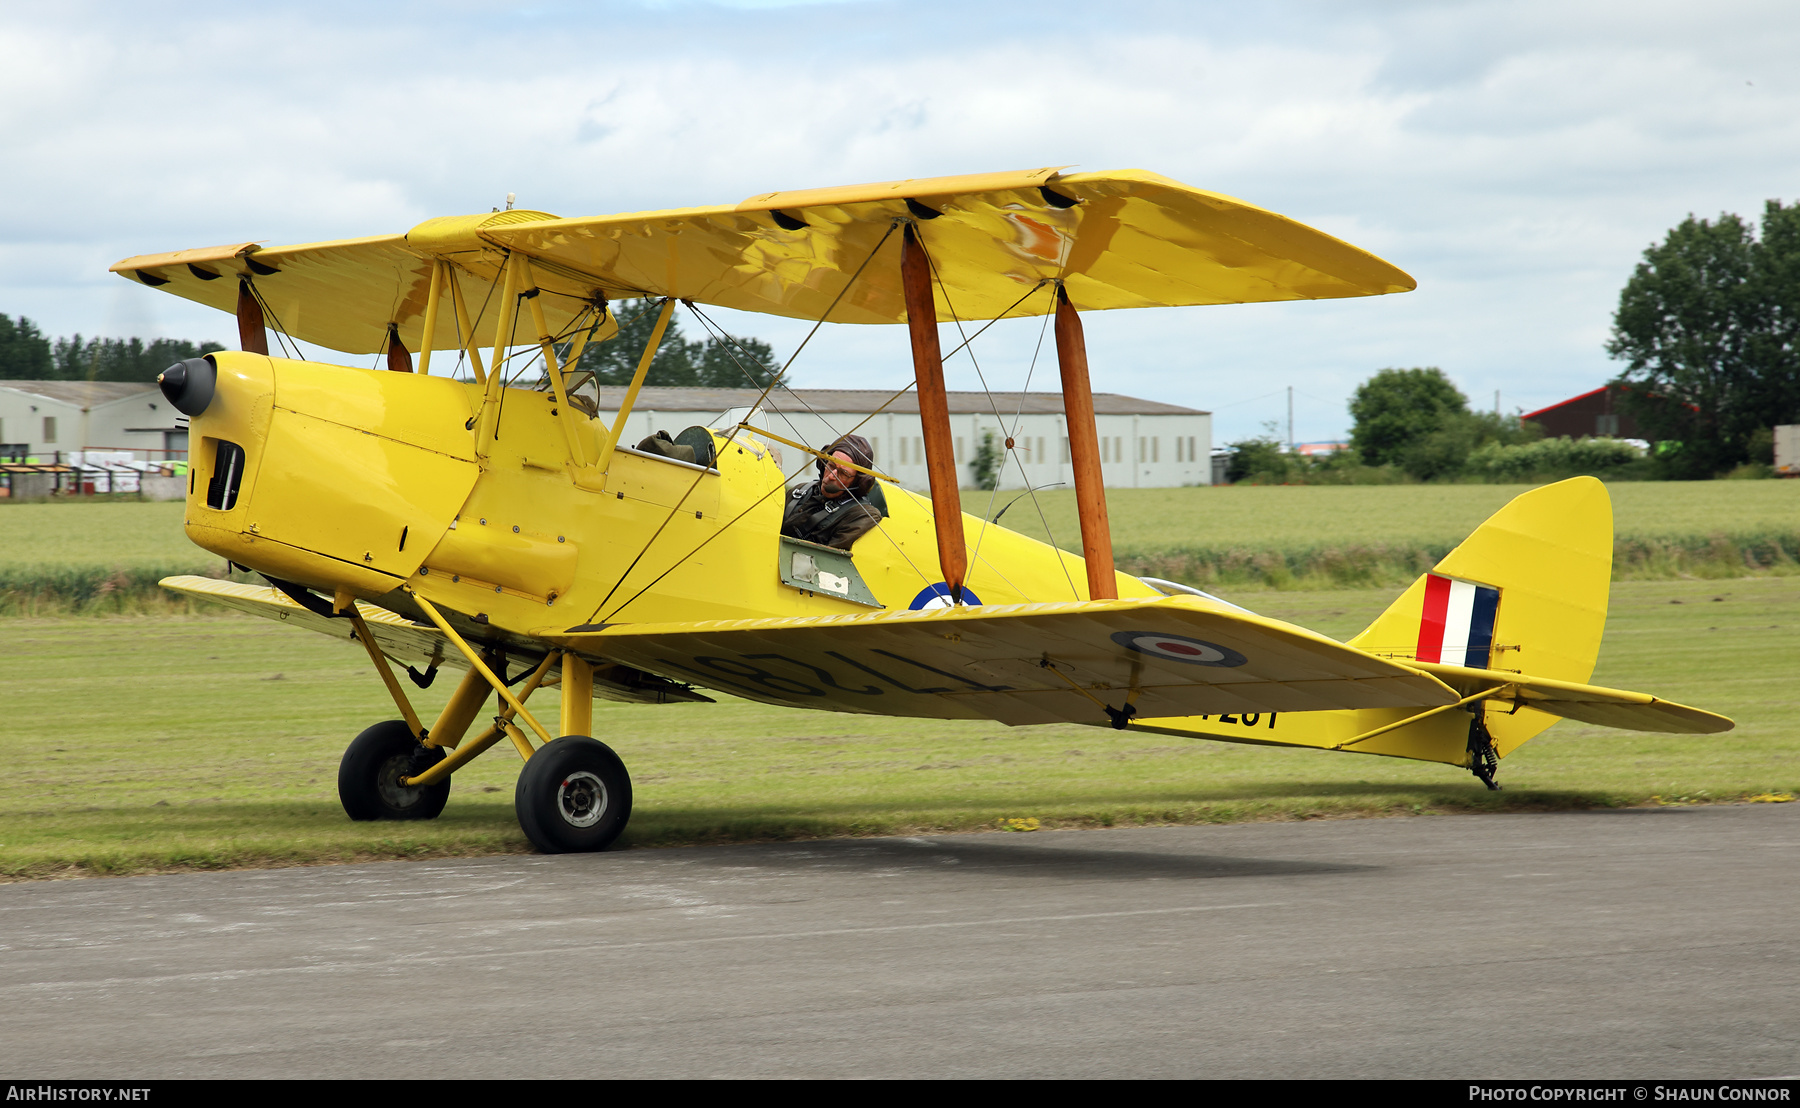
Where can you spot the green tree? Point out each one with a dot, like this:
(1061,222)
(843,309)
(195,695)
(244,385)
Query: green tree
(1395,410)
(1709,329)
(730,362)
(98,359)
(1446,451)
(24,351)
(989,461)
(1259,459)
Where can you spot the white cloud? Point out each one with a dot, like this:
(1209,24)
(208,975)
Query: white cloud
(1516,157)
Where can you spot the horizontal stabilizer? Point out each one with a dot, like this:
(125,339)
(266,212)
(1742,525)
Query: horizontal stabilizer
(1603,707)
(1022,663)
(1520,702)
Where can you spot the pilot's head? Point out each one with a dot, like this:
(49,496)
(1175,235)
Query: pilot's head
(837,479)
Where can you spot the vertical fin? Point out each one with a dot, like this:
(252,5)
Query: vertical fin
(1536,575)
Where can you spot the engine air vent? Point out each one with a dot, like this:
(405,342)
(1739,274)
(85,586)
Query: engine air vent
(227,475)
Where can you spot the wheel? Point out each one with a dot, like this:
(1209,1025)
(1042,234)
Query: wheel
(573,796)
(369,776)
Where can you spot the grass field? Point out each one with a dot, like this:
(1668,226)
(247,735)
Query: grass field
(149,743)
(105,533)
(107,556)
(1147,521)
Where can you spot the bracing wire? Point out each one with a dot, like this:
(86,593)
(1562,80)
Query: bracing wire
(1026,478)
(290,347)
(1009,434)
(727,341)
(1035,503)
(910,385)
(729,437)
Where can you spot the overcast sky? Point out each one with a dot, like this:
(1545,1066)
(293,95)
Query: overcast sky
(1516,158)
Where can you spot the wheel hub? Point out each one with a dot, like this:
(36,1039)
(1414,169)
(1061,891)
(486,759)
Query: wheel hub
(581,799)
(387,783)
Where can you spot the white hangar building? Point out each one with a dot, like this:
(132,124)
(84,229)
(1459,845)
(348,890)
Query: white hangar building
(42,419)
(1143,443)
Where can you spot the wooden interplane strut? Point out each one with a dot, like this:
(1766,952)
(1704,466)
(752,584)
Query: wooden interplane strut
(399,359)
(1084,450)
(253,335)
(934,411)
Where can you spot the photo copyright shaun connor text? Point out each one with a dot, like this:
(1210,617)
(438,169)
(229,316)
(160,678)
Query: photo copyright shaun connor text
(1630,1093)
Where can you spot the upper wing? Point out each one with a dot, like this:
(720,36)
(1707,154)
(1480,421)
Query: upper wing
(407,642)
(1120,239)
(344,294)
(1621,708)
(1022,663)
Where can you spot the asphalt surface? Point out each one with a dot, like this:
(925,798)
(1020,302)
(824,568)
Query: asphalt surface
(1635,944)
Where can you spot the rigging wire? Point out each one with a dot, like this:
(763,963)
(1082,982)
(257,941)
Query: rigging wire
(985,391)
(901,550)
(475,323)
(1023,495)
(910,385)
(967,340)
(1026,478)
(290,347)
(730,436)
(727,341)
(1044,520)
(998,418)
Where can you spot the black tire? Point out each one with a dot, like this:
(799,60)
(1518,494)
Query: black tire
(369,775)
(573,796)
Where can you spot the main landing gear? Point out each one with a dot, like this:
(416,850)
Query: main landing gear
(573,793)
(369,776)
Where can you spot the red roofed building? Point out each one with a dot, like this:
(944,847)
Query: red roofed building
(1600,413)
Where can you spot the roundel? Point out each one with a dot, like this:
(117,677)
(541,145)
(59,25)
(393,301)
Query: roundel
(938,596)
(1179,648)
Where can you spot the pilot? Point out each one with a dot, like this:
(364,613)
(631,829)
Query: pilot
(843,505)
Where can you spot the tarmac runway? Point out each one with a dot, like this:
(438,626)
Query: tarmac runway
(1635,944)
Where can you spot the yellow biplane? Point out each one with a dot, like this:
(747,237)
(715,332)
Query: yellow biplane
(497,525)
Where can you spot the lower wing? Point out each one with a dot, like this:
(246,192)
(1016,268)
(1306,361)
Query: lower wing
(1025,663)
(409,643)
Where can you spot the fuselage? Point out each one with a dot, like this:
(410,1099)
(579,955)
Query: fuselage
(364,482)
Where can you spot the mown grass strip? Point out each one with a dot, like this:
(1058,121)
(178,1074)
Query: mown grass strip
(139,744)
(95,590)
(105,558)
(1635,558)
(61,590)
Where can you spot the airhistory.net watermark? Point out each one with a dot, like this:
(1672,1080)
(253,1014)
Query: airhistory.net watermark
(47,1094)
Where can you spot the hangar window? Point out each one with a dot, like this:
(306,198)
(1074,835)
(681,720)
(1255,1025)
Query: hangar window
(49,428)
